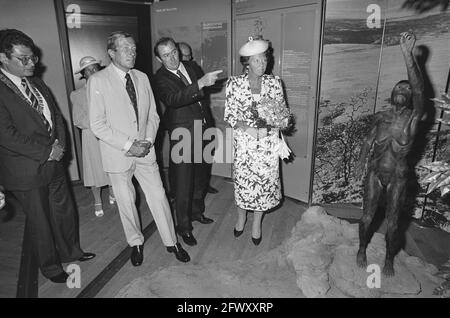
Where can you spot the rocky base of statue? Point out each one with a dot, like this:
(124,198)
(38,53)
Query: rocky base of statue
(323,250)
(317,260)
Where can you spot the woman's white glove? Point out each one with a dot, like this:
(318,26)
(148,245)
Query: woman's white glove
(283,149)
(2,200)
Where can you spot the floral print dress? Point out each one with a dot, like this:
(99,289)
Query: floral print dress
(256,166)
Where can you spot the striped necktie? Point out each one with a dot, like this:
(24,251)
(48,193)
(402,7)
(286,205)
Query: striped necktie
(35,104)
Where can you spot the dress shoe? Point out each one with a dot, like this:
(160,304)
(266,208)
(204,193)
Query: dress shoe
(60,278)
(256,241)
(203,220)
(86,257)
(237,233)
(180,253)
(212,190)
(189,239)
(137,255)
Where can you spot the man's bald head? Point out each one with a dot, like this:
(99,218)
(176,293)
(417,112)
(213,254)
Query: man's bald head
(185,51)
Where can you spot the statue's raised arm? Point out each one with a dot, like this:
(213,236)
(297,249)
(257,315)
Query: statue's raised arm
(415,78)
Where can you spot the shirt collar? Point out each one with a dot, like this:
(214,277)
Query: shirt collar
(120,72)
(180,68)
(15,79)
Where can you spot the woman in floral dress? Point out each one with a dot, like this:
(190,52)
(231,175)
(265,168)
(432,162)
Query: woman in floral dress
(256,175)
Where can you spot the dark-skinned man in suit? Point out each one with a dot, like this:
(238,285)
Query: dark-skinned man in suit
(32,144)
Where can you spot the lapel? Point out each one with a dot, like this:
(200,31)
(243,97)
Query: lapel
(45,93)
(13,87)
(118,84)
(173,77)
(116,81)
(24,101)
(193,78)
(190,72)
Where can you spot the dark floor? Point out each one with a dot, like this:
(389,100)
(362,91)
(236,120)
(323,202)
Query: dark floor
(104,236)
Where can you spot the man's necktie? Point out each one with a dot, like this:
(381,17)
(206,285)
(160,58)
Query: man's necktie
(132,94)
(185,82)
(35,104)
(183,78)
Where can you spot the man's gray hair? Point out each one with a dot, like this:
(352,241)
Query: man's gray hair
(115,36)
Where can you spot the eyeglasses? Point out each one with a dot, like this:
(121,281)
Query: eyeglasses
(25,60)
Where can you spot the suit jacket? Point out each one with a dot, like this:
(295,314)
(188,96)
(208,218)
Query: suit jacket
(25,144)
(183,104)
(113,119)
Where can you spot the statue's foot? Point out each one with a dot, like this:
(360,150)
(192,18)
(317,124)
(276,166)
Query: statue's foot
(361,259)
(388,269)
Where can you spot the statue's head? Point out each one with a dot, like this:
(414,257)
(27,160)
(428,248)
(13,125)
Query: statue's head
(402,94)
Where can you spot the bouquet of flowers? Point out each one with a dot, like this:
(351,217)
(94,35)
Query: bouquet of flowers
(274,112)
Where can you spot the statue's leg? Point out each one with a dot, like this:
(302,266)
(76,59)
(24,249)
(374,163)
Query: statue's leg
(372,192)
(395,197)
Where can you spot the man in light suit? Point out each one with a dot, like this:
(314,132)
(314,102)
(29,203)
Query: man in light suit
(123,116)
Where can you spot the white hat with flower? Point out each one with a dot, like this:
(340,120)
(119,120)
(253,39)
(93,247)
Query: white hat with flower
(253,47)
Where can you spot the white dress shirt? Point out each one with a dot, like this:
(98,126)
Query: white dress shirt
(122,75)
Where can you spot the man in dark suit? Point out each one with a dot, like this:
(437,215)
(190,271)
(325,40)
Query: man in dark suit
(178,87)
(186,56)
(32,144)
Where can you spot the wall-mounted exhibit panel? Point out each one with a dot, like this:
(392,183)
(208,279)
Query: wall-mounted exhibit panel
(361,63)
(352,37)
(216,29)
(206,27)
(293,29)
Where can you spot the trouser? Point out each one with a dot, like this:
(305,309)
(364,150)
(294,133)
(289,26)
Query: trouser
(188,183)
(147,174)
(52,224)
